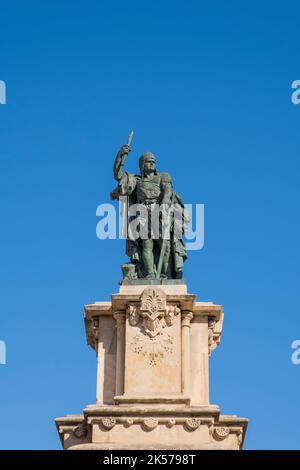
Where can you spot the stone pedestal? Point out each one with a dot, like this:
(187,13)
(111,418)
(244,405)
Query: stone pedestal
(153,344)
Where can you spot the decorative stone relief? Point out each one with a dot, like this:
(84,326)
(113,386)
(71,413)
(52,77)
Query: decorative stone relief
(220,433)
(133,315)
(171,423)
(171,312)
(80,431)
(153,301)
(153,313)
(150,423)
(92,330)
(214,336)
(108,423)
(193,423)
(129,422)
(154,349)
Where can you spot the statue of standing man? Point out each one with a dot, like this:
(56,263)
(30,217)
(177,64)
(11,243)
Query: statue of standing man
(157,249)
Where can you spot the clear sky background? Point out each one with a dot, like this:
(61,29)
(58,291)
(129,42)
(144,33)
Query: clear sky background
(207,87)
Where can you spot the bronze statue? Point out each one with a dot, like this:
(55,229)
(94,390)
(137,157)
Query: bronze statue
(160,253)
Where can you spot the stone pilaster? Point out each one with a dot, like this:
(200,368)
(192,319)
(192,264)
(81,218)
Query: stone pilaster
(120,356)
(186,318)
(153,345)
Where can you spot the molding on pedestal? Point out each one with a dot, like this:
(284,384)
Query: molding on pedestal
(153,344)
(160,399)
(130,304)
(198,428)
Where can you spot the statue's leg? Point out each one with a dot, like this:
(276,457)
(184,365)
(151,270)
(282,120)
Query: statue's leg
(148,258)
(166,258)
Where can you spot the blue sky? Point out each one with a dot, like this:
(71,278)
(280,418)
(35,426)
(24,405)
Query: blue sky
(207,87)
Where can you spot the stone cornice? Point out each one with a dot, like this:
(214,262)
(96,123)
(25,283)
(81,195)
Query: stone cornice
(186,302)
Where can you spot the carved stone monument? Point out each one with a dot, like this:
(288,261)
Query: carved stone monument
(153,342)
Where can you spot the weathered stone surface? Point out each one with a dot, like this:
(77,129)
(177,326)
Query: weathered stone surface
(152,358)
(153,347)
(168,427)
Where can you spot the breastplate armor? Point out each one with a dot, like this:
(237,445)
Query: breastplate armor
(148,191)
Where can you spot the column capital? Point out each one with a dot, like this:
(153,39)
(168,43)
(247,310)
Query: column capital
(120,316)
(186,317)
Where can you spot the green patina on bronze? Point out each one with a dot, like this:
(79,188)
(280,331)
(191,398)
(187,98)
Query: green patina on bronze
(155,257)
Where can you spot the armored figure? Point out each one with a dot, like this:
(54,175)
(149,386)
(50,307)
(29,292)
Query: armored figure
(159,253)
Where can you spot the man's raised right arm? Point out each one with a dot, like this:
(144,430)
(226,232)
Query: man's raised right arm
(119,162)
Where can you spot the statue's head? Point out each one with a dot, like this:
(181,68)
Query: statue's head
(147,163)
